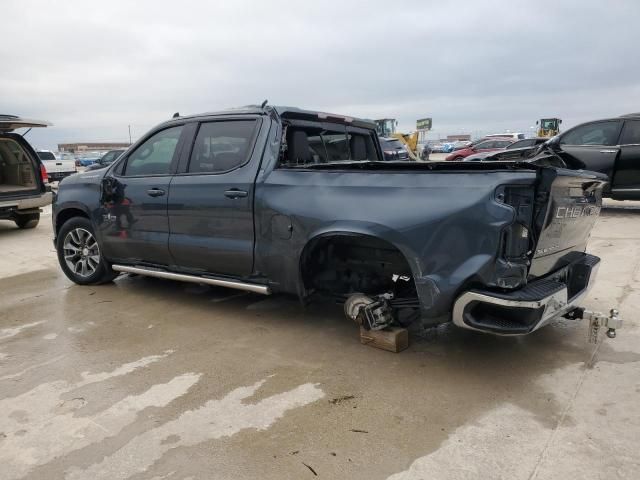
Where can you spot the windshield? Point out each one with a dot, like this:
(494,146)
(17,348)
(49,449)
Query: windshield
(109,157)
(46,156)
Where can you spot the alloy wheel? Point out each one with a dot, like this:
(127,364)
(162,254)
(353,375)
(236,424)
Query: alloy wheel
(81,252)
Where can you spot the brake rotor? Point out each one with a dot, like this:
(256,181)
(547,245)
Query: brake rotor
(354,303)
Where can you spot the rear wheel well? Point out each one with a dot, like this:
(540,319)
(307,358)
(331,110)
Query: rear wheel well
(342,264)
(66,215)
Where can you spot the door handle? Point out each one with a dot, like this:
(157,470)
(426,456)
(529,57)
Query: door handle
(155,192)
(608,151)
(235,193)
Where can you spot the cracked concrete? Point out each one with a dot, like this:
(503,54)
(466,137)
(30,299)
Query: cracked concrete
(149,379)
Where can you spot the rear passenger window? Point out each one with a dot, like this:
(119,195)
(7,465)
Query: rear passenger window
(154,156)
(222,146)
(320,145)
(631,133)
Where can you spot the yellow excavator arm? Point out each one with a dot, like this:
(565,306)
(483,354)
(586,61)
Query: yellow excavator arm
(410,140)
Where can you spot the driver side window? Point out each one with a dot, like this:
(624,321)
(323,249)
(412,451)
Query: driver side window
(599,133)
(154,156)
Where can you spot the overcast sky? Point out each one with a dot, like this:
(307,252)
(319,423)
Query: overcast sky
(93,68)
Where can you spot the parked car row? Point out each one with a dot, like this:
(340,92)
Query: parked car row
(526,143)
(610,146)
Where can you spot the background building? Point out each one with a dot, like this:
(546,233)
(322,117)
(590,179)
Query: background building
(454,138)
(83,147)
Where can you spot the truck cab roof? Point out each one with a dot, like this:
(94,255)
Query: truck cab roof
(285,112)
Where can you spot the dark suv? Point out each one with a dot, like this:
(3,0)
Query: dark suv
(106,160)
(610,146)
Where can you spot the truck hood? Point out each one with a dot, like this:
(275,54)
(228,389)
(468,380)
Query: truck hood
(91,177)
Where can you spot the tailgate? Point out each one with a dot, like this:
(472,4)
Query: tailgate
(59,166)
(568,205)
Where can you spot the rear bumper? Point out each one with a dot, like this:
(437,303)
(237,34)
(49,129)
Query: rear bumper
(26,203)
(525,310)
(57,176)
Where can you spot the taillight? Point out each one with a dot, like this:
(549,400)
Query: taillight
(516,242)
(517,236)
(43,174)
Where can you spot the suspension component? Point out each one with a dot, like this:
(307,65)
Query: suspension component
(371,313)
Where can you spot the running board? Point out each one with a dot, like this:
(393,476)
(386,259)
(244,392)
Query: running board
(181,277)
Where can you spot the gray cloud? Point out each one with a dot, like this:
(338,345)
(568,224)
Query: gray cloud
(94,68)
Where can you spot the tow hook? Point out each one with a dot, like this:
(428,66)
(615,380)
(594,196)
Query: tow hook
(597,320)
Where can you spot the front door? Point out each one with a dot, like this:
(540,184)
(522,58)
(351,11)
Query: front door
(591,146)
(211,199)
(134,227)
(626,179)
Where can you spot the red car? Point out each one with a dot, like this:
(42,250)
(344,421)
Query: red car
(484,145)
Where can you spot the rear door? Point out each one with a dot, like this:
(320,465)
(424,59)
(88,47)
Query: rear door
(626,177)
(591,146)
(135,227)
(211,198)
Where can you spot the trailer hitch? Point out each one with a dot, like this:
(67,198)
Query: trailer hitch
(597,320)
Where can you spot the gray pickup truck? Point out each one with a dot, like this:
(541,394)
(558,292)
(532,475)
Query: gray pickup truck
(276,199)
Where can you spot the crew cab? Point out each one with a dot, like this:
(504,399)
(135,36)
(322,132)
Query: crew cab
(24,186)
(57,167)
(282,200)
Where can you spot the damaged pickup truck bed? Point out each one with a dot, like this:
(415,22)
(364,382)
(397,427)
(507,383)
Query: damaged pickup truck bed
(275,199)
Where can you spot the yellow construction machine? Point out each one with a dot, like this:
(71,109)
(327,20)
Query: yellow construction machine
(548,127)
(386,127)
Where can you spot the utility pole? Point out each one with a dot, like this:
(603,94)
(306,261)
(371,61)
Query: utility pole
(129,134)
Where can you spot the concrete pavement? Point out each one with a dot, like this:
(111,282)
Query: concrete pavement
(151,379)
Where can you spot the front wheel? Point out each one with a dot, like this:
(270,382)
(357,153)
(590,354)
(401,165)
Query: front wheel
(27,220)
(79,254)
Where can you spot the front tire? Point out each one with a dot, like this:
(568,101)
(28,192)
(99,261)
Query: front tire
(79,254)
(27,220)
